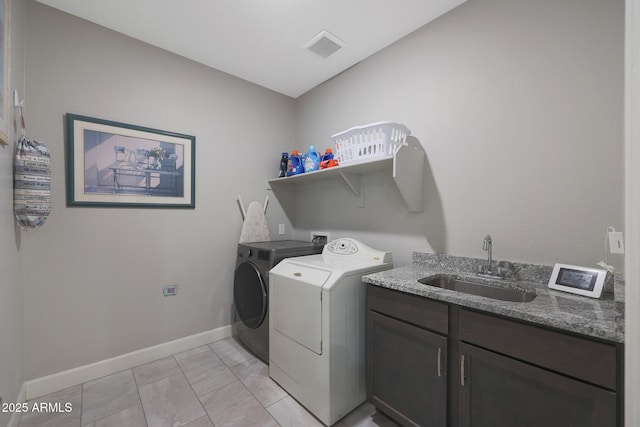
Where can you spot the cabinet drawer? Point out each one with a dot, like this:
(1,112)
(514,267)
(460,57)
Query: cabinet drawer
(581,358)
(409,308)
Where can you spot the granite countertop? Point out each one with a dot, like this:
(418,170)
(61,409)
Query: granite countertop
(601,318)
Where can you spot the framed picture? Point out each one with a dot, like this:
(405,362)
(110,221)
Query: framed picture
(113,164)
(4,72)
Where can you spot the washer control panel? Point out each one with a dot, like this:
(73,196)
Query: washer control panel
(342,247)
(354,249)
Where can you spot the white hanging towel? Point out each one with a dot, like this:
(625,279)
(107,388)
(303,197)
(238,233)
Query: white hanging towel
(255,228)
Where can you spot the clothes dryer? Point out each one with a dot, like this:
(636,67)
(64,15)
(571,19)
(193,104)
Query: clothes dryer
(317,326)
(251,288)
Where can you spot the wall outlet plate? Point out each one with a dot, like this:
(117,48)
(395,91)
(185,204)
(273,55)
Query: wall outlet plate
(169,291)
(616,242)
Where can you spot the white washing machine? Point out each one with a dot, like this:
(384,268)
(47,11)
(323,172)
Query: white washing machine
(317,326)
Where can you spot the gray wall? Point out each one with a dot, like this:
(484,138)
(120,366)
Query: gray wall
(519,107)
(11,252)
(94,278)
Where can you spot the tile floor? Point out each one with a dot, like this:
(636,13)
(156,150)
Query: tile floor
(220,384)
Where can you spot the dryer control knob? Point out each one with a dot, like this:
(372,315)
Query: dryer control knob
(244,253)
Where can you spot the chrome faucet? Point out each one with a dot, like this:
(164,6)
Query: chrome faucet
(503,269)
(486,246)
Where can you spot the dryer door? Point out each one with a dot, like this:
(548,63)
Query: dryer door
(250,295)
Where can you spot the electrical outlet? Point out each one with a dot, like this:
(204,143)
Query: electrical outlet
(280,228)
(321,237)
(616,242)
(170,290)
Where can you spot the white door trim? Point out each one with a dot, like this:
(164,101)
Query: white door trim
(632,212)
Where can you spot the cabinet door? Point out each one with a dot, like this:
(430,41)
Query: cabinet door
(496,391)
(406,371)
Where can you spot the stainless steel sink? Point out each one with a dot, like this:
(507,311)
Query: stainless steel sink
(480,289)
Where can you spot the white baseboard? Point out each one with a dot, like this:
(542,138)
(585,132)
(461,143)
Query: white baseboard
(21,398)
(42,386)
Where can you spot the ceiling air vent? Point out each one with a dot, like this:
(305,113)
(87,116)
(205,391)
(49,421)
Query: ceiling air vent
(324,44)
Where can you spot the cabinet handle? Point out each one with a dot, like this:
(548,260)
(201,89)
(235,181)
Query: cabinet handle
(462,370)
(439,362)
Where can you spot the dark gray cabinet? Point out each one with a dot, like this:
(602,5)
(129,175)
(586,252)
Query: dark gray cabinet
(502,391)
(407,352)
(435,364)
(408,371)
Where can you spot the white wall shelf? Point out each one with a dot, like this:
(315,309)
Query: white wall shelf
(406,168)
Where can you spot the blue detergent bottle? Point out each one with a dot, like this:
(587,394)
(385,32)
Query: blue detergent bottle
(295,164)
(328,154)
(326,161)
(311,160)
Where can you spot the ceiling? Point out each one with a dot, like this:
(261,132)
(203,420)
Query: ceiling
(262,41)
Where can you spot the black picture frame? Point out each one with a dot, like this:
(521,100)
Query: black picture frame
(113,164)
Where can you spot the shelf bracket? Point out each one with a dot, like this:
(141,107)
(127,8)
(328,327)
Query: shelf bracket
(408,174)
(354,182)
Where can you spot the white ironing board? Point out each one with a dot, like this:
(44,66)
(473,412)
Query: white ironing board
(255,227)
